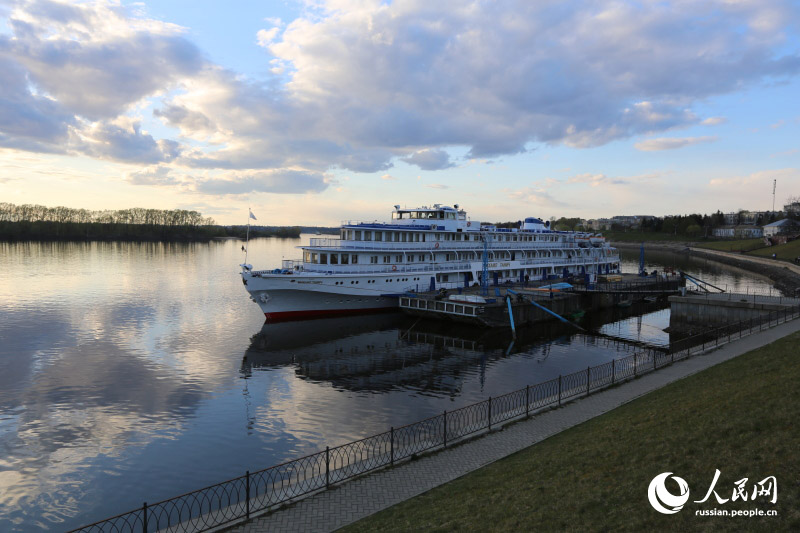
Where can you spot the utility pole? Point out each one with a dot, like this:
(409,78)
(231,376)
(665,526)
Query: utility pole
(774,184)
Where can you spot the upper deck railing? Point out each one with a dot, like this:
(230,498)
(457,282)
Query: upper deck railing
(441,245)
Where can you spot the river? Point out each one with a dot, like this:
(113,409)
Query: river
(134,372)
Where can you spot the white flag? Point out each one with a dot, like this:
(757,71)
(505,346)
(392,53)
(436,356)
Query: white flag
(252,215)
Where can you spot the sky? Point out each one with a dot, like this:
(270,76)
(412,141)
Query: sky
(311,112)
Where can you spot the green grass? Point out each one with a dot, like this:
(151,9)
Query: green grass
(739,417)
(734,246)
(786,252)
(638,236)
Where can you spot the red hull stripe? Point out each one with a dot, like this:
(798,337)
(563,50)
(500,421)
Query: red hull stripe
(284,316)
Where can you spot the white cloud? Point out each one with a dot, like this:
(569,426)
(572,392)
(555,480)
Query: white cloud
(714,121)
(364,83)
(437,186)
(265,37)
(430,159)
(280,182)
(596,180)
(535,196)
(670,143)
(388,177)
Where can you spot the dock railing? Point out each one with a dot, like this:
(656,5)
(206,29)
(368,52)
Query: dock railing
(257,492)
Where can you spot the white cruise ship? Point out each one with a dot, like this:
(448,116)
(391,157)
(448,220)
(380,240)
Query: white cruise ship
(371,263)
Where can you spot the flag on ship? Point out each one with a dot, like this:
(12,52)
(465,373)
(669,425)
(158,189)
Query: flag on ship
(252,215)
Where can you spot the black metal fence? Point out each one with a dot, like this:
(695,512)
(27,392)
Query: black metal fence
(254,492)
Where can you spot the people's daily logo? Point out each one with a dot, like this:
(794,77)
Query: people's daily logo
(668,494)
(662,499)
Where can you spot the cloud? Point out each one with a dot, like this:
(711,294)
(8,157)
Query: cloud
(714,121)
(274,181)
(388,177)
(357,85)
(437,186)
(535,196)
(430,159)
(596,180)
(670,143)
(762,177)
(94,58)
(123,140)
(265,37)
(155,175)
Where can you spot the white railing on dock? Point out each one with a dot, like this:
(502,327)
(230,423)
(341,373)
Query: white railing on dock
(441,306)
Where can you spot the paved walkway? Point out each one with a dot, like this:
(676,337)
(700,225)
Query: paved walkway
(750,259)
(361,497)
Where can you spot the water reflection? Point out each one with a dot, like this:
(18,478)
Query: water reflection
(130,372)
(394,352)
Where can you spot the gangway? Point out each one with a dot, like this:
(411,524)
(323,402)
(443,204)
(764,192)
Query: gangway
(700,283)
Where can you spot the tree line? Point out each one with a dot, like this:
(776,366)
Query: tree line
(39,222)
(135,215)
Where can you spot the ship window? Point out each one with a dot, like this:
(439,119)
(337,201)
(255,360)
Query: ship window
(367,235)
(387,258)
(334,259)
(306,257)
(378,235)
(398,259)
(404,234)
(323,259)
(345,259)
(314,258)
(358,235)
(373,259)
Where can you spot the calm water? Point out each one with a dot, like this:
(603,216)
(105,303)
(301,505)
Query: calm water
(133,372)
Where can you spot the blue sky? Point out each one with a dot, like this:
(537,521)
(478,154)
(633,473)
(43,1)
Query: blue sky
(311,112)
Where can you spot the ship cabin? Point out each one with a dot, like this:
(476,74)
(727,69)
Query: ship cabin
(442,238)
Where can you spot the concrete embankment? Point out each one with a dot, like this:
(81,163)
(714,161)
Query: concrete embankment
(786,276)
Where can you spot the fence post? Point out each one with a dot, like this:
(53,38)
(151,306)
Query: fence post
(247,494)
(559,389)
(445,428)
(588,368)
(634,364)
(613,369)
(327,467)
(391,446)
(527,400)
(490,413)
(144,517)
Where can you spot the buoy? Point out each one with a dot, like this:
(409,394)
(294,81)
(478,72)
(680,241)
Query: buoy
(394,267)
(436,245)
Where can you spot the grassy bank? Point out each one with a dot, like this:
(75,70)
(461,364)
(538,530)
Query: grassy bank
(785,252)
(739,245)
(739,417)
(647,236)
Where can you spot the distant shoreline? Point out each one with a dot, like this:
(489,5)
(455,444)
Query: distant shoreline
(46,231)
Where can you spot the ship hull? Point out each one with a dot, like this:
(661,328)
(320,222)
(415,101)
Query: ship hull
(300,296)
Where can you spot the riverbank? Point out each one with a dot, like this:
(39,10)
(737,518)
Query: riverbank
(363,496)
(737,417)
(784,275)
